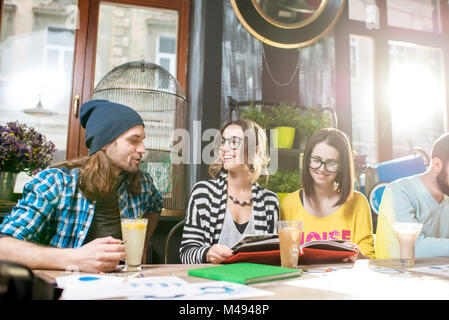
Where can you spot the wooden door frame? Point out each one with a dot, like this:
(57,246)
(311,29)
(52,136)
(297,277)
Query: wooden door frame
(74,138)
(85,62)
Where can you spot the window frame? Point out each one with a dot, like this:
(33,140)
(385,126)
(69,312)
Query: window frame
(84,58)
(166,55)
(381,37)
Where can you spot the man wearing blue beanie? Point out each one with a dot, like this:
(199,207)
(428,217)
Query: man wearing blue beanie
(69,215)
(104,121)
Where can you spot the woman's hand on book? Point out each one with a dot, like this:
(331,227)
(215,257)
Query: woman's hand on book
(359,254)
(218,253)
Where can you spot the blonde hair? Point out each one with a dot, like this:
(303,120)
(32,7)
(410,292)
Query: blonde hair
(256,158)
(96,178)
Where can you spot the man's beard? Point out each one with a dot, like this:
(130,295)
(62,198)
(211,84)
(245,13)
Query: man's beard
(442,181)
(123,167)
(127,168)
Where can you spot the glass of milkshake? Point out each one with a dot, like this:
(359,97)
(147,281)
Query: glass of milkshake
(407,232)
(133,235)
(289,241)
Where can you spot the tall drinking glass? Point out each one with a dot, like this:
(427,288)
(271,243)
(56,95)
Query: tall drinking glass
(289,242)
(407,232)
(133,234)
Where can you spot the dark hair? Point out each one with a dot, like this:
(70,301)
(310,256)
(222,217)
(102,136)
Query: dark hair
(440,148)
(345,176)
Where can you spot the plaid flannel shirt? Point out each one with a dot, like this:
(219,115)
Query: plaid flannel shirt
(53,210)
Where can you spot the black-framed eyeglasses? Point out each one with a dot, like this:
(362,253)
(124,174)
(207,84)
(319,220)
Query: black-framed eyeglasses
(330,165)
(233,142)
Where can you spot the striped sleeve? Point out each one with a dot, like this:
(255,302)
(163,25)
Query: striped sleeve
(266,211)
(197,237)
(272,203)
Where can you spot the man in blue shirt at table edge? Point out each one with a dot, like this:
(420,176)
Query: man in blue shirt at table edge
(422,198)
(69,215)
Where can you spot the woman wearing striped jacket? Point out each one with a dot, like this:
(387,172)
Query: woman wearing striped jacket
(231,204)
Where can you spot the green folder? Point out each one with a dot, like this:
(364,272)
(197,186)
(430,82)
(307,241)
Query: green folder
(245,273)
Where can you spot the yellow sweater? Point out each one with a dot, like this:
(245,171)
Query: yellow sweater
(351,221)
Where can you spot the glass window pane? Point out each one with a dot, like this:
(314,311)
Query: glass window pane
(366,11)
(52,59)
(362,97)
(164,63)
(60,36)
(167,45)
(36,62)
(416,96)
(414,14)
(128,33)
(68,57)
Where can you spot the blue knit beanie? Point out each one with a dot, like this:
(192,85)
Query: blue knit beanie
(104,121)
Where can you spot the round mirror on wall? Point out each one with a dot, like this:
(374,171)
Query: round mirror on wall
(288,23)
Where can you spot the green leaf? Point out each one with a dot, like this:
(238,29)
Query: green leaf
(282,181)
(283,115)
(257,115)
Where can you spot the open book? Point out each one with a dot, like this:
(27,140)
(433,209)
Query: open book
(265,249)
(322,251)
(253,242)
(334,245)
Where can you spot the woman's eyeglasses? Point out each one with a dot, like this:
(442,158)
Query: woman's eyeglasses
(331,166)
(233,142)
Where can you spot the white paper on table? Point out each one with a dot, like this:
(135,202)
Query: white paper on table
(212,290)
(223,290)
(94,286)
(108,287)
(434,270)
(370,284)
(84,279)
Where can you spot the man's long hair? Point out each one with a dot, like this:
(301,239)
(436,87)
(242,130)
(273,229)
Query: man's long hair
(96,178)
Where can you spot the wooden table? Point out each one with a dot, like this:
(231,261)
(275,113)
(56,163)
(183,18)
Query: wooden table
(366,279)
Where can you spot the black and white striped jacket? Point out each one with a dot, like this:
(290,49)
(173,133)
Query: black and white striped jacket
(206,212)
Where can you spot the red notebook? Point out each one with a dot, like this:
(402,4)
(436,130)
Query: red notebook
(263,249)
(262,257)
(311,256)
(319,251)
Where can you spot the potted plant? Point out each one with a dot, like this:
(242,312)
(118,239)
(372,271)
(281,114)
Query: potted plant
(311,120)
(285,119)
(282,182)
(257,115)
(22,148)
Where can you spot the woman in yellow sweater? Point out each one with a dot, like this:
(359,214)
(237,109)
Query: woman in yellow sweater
(327,203)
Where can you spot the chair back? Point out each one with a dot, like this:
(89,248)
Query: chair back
(172,244)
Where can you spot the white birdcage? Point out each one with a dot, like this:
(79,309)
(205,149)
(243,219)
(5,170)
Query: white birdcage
(159,99)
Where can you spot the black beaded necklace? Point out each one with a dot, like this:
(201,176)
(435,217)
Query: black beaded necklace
(240,202)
